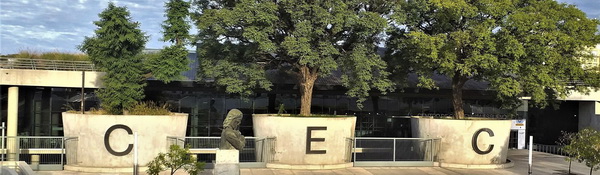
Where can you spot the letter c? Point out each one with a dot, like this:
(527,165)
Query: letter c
(107,142)
(474,141)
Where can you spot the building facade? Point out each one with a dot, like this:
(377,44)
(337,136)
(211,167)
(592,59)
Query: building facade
(42,96)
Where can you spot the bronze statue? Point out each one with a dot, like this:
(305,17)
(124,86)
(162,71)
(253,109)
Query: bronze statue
(231,138)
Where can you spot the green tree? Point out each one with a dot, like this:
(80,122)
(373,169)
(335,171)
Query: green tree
(564,140)
(172,60)
(520,47)
(174,160)
(239,41)
(176,27)
(585,147)
(114,49)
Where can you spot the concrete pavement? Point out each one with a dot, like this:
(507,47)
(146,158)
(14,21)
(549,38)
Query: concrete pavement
(543,163)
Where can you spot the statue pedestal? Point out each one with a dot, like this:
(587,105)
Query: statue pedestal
(227,162)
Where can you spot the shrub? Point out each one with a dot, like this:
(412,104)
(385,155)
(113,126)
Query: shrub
(174,160)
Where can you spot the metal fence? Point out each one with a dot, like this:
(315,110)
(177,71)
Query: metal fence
(395,151)
(363,151)
(71,145)
(41,153)
(44,64)
(48,153)
(256,152)
(552,149)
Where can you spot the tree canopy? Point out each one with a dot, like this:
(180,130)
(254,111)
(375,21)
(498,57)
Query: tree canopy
(168,64)
(176,27)
(114,49)
(239,41)
(521,47)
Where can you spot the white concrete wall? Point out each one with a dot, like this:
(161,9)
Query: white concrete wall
(291,133)
(456,139)
(152,137)
(589,115)
(50,78)
(577,96)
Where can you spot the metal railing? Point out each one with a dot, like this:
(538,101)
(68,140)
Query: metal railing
(256,152)
(364,151)
(395,151)
(552,149)
(42,153)
(44,64)
(71,145)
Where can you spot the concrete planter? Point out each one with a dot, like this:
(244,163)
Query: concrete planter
(307,142)
(466,142)
(96,133)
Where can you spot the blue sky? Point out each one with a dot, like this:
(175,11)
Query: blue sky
(61,25)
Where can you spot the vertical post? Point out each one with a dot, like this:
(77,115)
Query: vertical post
(12,122)
(63,152)
(530,151)
(394,156)
(83,92)
(432,145)
(135,153)
(354,151)
(3,150)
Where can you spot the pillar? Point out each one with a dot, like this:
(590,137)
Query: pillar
(12,122)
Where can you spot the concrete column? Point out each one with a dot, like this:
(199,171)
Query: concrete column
(588,115)
(12,122)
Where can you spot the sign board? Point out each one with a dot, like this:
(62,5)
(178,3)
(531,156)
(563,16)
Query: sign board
(521,139)
(518,124)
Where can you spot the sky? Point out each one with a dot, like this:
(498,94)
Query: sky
(61,25)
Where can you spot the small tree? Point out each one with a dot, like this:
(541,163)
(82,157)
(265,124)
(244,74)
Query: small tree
(174,160)
(564,140)
(585,147)
(114,49)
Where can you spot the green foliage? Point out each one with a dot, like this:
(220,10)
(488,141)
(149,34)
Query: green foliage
(114,49)
(174,160)
(521,47)
(564,140)
(281,109)
(149,108)
(168,64)
(172,60)
(176,27)
(584,147)
(50,55)
(241,40)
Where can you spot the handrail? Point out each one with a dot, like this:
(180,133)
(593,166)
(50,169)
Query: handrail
(45,64)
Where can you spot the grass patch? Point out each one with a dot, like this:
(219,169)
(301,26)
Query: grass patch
(149,108)
(313,115)
(91,111)
(50,55)
(141,108)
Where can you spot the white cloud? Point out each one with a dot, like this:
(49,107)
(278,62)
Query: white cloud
(62,24)
(34,33)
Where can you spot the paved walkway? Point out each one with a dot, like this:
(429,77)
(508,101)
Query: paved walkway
(543,163)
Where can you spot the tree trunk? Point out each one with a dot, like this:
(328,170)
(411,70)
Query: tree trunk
(569,166)
(307,82)
(458,81)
